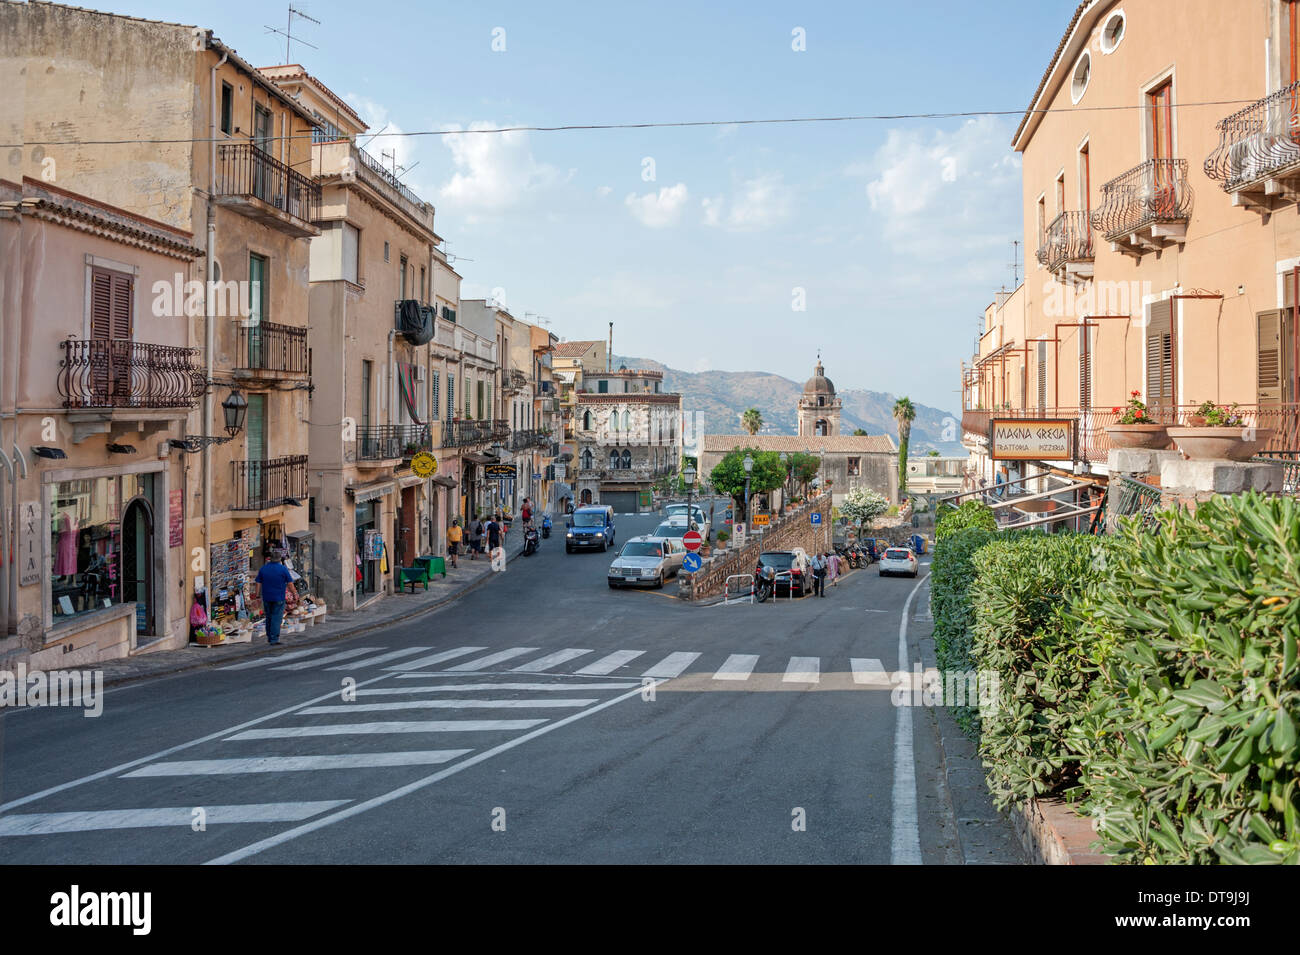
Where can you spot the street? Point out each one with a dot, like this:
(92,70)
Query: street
(542,717)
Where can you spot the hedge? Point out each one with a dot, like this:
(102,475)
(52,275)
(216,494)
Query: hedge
(951,574)
(950,520)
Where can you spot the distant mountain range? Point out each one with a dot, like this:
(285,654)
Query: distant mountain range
(720,397)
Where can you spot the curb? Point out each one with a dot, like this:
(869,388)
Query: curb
(1054,834)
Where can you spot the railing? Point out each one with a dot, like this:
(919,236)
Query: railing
(1068,239)
(245,170)
(530,438)
(1130,497)
(375,166)
(1290,461)
(259,485)
(386,442)
(267,346)
(1155,191)
(460,433)
(514,380)
(795,528)
(1258,140)
(121,373)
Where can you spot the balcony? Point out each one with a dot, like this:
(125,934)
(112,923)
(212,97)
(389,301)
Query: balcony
(262,485)
(387,445)
(1067,248)
(1257,160)
(255,185)
(1145,209)
(467,432)
(637,474)
(120,373)
(271,351)
(514,380)
(532,438)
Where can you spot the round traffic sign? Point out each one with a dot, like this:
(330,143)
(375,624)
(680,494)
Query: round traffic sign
(691,563)
(692,540)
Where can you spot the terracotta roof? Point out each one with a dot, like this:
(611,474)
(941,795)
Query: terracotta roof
(573,349)
(294,71)
(837,443)
(1051,66)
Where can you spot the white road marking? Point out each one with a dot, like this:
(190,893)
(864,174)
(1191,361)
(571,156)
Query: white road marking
(266,660)
(285,764)
(332,658)
(474,687)
(443,705)
(905,848)
(435,658)
(738,666)
(356,809)
(399,726)
(382,658)
(608,664)
(672,665)
(869,671)
(492,659)
(803,670)
(551,660)
(46,823)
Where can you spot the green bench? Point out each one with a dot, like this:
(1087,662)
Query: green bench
(423,571)
(433,565)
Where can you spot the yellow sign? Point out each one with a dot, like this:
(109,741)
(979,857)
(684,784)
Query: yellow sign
(761,520)
(1032,439)
(424,464)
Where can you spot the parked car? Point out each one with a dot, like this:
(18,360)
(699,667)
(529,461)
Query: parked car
(674,527)
(899,560)
(647,560)
(698,516)
(591,525)
(791,568)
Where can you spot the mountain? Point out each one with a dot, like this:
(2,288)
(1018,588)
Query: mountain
(719,398)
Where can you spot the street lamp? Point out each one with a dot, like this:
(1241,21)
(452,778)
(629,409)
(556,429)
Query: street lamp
(688,475)
(235,410)
(749,469)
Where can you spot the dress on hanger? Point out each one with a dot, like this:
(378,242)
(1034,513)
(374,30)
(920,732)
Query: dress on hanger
(65,560)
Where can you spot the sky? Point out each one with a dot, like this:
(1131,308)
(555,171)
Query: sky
(736,248)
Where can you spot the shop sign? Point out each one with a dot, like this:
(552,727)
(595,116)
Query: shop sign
(1031,439)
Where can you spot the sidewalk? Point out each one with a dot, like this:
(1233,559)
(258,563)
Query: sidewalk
(392,609)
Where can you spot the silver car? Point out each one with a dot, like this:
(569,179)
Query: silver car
(647,560)
(676,513)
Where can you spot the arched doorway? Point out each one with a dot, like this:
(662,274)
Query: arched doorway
(137,563)
(586,495)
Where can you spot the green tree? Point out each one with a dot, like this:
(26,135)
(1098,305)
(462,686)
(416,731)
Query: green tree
(863,505)
(859,432)
(904,414)
(728,475)
(752,420)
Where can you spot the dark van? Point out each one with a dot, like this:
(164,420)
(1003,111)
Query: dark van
(590,526)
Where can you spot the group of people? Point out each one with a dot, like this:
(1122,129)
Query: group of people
(484,532)
(825,569)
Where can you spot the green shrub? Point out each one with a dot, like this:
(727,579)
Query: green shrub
(1023,632)
(1189,735)
(951,574)
(951,519)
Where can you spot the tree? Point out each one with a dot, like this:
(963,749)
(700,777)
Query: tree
(728,475)
(803,468)
(904,414)
(752,420)
(862,505)
(859,432)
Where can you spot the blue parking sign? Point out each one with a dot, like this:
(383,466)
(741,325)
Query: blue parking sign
(691,563)
(816,517)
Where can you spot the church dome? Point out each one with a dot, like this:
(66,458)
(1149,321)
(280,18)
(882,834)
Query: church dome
(819,384)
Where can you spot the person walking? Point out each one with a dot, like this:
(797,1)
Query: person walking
(526,513)
(476,537)
(833,569)
(818,568)
(274,585)
(493,532)
(454,536)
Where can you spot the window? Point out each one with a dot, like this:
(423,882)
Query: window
(227,108)
(1291,73)
(324,131)
(1086,344)
(1113,32)
(586,421)
(451,395)
(1042,221)
(436,409)
(311,510)
(602,386)
(1160,103)
(627,421)
(1085,179)
(402,280)
(257,289)
(1042,377)
(613,460)
(586,459)
(1079,79)
(385,251)
(367,379)
(627,459)
(1159,358)
(855,467)
(351,252)
(423,295)
(480,399)
(1060,193)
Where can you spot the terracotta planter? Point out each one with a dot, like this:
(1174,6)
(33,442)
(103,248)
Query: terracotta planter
(1152,436)
(1220,444)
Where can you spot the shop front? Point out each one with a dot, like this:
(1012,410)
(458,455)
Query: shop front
(374,523)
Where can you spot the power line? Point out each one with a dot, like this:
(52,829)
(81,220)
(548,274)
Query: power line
(677,124)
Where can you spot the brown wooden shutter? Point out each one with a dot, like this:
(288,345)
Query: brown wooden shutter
(1160,359)
(121,322)
(1042,377)
(1085,367)
(1269,357)
(101,305)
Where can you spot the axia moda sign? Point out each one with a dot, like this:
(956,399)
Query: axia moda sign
(1031,439)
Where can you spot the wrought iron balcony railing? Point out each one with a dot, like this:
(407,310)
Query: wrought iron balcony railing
(269,347)
(121,373)
(461,433)
(1151,194)
(391,442)
(1257,142)
(530,438)
(244,171)
(1068,241)
(259,485)
(514,380)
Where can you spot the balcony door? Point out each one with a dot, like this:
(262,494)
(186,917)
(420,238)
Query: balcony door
(1164,194)
(255,427)
(111,296)
(262,140)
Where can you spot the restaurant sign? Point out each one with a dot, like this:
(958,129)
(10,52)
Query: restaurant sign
(1031,439)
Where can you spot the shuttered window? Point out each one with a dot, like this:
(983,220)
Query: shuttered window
(1269,357)
(111,295)
(1160,359)
(437,408)
(1085,367)
(451,395)
(1042,377)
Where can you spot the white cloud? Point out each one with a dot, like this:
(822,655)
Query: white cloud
(603,191)
(494,171)
(759,203)
(657,210)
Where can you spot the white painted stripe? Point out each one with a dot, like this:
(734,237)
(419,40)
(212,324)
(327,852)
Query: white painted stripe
(905,847)
(869,670)
(286,764)
(46,823)
(474,687)
(332,658)
(738,666)
(443,705)
(357,808)
(382,658)
(608,664)
(492,659)
(270,658)
(551,660)
(399,726)
(803,670)
(435,658)
(671,665)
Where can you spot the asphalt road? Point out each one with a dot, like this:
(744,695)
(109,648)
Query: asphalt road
(541,718)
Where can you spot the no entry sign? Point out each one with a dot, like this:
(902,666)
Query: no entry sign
(691,540)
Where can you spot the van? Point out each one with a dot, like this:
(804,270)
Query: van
(591,525)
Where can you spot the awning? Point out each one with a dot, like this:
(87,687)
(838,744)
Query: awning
(411,480)
(443,481)
(479,458)
(568,377)
(369,492)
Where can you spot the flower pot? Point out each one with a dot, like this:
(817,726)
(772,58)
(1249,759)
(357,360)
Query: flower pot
(1220,444)
(1152,436)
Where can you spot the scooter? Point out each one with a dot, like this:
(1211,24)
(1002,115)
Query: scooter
(531,540)
(546,525)
(764,582)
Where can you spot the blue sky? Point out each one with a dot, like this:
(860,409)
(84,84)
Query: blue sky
(899,232)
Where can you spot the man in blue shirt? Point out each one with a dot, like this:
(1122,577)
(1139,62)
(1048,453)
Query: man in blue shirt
(273,582)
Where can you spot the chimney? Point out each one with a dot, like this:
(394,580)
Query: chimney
(609,357)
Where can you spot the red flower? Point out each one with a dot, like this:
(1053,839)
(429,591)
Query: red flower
(1138,413)
(1135,393)
(1114,411)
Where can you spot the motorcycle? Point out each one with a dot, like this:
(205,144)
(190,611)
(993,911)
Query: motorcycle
(546,525)
(531,540)
(764,582)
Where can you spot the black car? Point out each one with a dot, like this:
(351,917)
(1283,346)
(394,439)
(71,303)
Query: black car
(792,575)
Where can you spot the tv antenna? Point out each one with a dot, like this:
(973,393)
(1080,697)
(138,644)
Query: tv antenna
(1015,263)
(287,32)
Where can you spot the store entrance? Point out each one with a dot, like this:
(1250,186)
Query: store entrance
(367,570)
(137,563)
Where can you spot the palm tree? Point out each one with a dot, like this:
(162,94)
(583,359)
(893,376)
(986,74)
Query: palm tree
(752,421)
(904,413)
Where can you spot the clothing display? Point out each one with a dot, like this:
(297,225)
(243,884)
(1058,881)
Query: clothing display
(65,558)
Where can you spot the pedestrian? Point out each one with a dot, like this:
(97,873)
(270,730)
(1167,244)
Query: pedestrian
(493,532)
(818,569)
(454,536)
(476,537)
(526,513)
(274,585)
(833,569)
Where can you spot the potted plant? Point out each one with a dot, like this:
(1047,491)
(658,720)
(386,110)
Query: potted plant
(723,537)
(1135,429)
(1218,433)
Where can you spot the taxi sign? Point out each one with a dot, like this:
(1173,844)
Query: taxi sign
(761,520)
(424,464)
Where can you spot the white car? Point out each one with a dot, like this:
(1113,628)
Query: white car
(899,560)
(647,560)
(675,513)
